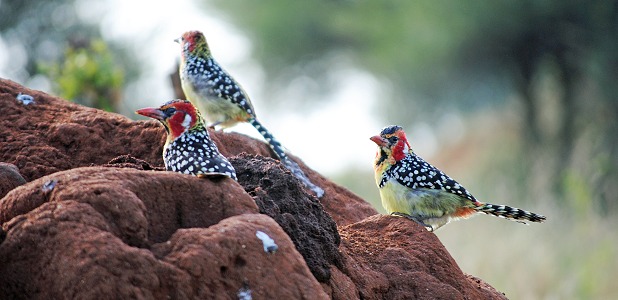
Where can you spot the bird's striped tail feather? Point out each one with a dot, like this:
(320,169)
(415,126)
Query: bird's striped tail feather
(511,213)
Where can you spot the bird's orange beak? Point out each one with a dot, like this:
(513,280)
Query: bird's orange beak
(380,141)
(151,112)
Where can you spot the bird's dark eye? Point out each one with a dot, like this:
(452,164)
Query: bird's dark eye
(393,139)
(169,111)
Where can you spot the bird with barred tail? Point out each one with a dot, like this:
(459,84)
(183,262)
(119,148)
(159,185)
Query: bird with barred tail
(188,148)
(410,187)
(222,100)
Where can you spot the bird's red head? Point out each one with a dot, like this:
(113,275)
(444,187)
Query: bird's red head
(193,42)
(178,116)
(392,143)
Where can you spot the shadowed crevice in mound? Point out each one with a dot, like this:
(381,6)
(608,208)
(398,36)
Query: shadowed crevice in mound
(128,161)
(281,196)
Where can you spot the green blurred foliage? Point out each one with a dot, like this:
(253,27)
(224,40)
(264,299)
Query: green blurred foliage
(39,29)
(88,76)
(37,33)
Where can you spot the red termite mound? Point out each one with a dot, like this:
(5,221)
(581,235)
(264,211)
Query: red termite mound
(87,210)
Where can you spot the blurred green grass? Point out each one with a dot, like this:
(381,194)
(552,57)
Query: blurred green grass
(564,258)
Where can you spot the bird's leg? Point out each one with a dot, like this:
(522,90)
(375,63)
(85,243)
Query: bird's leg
(415,219)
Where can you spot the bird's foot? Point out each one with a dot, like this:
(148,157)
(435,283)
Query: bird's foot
(409,217)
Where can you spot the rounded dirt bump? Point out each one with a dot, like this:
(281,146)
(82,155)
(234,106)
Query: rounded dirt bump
(10,178)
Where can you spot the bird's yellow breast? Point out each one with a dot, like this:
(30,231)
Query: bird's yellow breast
(193,96)
(396,197)
(430,203)
(213,108)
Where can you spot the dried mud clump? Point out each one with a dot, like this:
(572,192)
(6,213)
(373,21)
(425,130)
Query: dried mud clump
(281,196)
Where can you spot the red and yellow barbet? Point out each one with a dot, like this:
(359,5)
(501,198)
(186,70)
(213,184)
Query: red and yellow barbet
(411,187)
(221,99)
(188,148)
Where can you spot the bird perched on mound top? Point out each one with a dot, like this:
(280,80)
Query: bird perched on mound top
(188,148)
(222,100)
(411,187)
